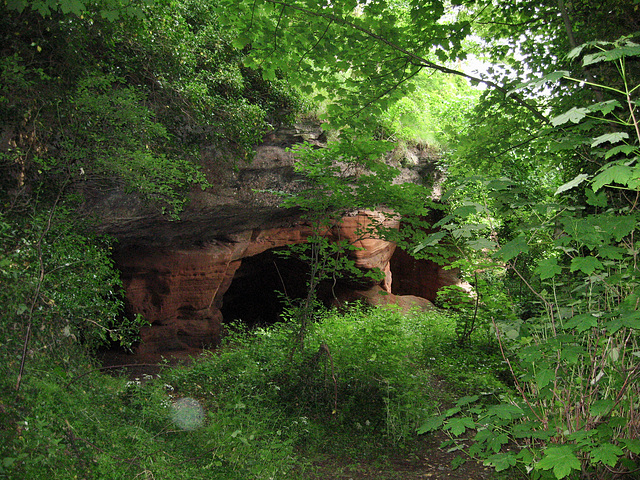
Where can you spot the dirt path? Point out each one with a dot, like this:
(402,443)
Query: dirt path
(428,461)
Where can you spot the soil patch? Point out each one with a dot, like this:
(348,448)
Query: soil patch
(426,461)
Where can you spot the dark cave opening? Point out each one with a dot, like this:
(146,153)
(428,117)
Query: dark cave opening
(260,287)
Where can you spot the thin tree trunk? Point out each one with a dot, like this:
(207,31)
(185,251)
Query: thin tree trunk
(573,43)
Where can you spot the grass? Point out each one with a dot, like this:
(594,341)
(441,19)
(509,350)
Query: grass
(255,409)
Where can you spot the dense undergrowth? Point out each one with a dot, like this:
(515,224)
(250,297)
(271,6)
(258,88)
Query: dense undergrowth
(256,408)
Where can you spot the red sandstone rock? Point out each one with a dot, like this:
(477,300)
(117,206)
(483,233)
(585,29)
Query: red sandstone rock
(180,291)
(420,277)
(377,296)
(179,287)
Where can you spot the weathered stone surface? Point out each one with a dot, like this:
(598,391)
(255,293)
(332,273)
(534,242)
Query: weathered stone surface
(371,252)
(176,273)
(180,291)
(420,277)
(376,295)
(238,201)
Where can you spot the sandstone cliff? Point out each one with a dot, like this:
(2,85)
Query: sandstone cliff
(217,263)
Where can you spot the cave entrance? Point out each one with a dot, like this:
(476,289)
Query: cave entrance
(259,287)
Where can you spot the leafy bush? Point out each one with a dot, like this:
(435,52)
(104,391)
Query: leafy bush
(366,377)
(364,370)
(61,292)
(575,367)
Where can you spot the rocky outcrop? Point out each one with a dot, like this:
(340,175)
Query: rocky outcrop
(377,296)
(181,290)
(420,277)
(217,263)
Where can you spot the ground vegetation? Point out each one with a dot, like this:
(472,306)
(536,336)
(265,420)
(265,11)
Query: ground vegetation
(539,365)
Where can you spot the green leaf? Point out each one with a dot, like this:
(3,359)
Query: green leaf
(465,210)
(574,115)
(240,42)
(479,244)
(433,423)
(575,52)
(110,15)
(498,441)
(633,445)
(600,408)
(586,265)
(607,454)
(544,377)
(629,50)
(631,319)
(572,353)
(614,137)
(457,462)
(596,199)
(513,248)
(624,149)
(561,459)
(18,5)
(483,435)
(548,268)
(452,411)
(582,322)
(459,425)
(269,74)
(604,107)
(501,461)
(431,240)
(467,400)
(76,7)
(568,143)
(573,183)
(611,252)
(620,226)
(614,173)
(505,411)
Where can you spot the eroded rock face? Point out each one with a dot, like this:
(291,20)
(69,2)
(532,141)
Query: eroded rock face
(181,291)
(179,274)
(420,277)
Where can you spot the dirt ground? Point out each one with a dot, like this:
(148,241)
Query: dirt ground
(428,461)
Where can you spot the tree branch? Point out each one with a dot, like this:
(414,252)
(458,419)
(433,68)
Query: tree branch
(413,57)
(386,92)
(568,26)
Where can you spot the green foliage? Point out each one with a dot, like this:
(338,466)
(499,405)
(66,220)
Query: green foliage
(380,47)
(108,9)
(575,363)
(167,78)
(343,179)
(262,409)
(100,98)
(112,136)
(128,104)
(370,353)
(480,310)
(60,291)
(365,372)
(438,107)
